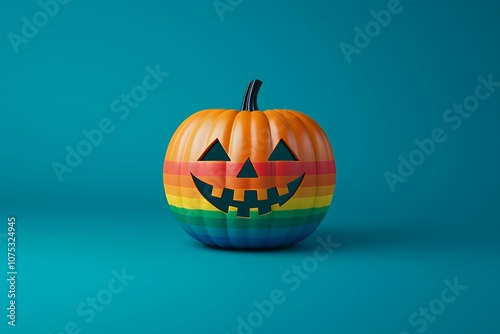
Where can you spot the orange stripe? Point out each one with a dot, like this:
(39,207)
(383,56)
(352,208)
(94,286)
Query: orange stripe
(292,204)
(262,182)
(301,192)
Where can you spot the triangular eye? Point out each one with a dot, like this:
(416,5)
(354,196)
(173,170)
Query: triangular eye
(214,152)
(282,153)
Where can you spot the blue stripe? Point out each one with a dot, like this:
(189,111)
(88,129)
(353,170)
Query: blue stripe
(249,238)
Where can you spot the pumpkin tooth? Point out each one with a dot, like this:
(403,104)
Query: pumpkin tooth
(217,192)
(275,206)
(239,195)
(282,191)
(262,194)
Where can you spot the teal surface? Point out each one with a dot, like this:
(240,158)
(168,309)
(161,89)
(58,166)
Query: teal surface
(98,250)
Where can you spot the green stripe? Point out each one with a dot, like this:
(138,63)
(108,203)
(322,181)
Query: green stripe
(253,214)
(275,219)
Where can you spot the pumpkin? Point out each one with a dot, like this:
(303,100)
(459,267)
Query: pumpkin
(249,178)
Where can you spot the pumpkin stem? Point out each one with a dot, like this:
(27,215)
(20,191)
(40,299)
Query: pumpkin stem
(250,99)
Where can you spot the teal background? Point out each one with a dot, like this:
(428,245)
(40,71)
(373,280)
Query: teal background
(111,213)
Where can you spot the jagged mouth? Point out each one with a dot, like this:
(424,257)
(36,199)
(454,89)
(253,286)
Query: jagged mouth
(250,200)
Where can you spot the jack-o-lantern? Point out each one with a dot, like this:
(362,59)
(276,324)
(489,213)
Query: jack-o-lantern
(249,179)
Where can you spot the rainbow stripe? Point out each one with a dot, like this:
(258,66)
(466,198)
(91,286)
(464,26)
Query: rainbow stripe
(286,224)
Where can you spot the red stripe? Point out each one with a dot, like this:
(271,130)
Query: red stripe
(278,168)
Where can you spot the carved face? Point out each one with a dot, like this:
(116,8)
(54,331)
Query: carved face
(249,178)
(215,152)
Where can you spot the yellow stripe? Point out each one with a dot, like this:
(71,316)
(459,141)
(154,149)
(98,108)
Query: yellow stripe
(293,204)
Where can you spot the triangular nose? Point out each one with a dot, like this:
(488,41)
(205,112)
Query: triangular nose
(247,171)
